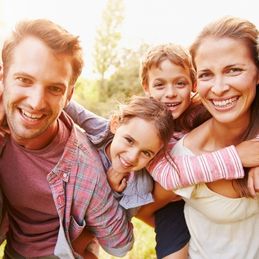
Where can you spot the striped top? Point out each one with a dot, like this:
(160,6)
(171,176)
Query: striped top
(176,171)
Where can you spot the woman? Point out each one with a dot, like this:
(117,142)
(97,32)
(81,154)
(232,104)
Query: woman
(222,218)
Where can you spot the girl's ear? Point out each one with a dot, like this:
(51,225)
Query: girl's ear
(114,124)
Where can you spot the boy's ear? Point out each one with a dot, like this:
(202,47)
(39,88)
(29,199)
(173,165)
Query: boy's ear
(114,124)
(194,87)
(146,90)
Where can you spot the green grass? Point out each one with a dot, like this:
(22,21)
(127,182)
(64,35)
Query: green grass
(143,247)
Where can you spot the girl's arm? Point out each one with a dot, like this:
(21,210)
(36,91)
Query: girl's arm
(96,127)
(174,172)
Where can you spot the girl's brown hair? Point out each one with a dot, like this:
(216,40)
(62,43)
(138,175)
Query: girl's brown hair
(149,109)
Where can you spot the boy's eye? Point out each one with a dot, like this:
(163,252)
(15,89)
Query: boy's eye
(181,84)
(158,85)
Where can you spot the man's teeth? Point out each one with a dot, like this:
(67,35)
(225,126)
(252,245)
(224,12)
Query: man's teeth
(31,116)
(224,102)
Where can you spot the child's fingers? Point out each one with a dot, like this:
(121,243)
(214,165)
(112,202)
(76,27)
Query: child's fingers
(250,185)
(122,185)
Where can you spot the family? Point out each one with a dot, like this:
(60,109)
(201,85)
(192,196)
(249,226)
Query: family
(184,158)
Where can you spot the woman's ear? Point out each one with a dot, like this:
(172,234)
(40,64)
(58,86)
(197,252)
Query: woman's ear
(114,124)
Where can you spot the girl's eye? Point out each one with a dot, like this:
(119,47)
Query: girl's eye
(129,140)
(147,154)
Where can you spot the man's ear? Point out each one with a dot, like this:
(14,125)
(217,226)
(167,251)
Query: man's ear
(70,94)
(114,124)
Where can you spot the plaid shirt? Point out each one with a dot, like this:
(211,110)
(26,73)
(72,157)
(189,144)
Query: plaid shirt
(83,198)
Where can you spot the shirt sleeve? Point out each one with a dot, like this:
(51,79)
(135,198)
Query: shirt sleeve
(173,172)
(96,127)
(108,220)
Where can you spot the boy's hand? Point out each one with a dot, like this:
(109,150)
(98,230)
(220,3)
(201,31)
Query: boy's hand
(248,152)
(253,181)
(117,181)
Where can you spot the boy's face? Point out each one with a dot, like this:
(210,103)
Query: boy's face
(170,84)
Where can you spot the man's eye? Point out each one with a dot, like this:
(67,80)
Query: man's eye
(56,89)
(23,80)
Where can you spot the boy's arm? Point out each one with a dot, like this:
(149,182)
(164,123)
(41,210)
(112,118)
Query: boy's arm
(96,127)
(174,172)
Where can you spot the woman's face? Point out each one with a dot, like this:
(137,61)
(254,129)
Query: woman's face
(226,78)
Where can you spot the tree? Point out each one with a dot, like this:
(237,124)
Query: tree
(106,42)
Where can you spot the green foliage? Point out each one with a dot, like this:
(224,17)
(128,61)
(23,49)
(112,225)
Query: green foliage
(107,39)
(144,245)
(123,83)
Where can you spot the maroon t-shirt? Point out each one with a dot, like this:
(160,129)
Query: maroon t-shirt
(33,218)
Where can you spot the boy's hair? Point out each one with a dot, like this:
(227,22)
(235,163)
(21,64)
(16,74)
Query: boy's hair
(54,36)
(157,54)
(246,33)
(149,109)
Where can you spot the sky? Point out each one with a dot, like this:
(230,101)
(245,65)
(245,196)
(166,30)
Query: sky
(146,21)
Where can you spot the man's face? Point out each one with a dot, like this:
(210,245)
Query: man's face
(36,89)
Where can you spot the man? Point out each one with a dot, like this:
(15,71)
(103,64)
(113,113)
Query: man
(52,179)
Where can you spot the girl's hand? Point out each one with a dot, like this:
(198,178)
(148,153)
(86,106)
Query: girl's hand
(253,181)
(248,152)
(117,181)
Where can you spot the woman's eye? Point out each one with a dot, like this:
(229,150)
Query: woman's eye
(234,71)
(204,76)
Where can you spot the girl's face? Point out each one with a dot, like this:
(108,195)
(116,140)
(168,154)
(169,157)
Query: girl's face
(134,144)
(170,84)
(226,79)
